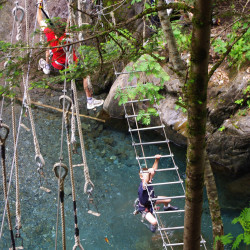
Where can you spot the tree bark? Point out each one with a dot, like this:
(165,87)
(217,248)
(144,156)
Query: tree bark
(174,56)
(213,201)
(196,108)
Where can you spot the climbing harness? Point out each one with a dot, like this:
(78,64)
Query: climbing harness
(61,177)
(4,132)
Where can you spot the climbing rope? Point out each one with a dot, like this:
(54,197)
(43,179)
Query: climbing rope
(61,178)
(38,156)
(18,20)
(68,101)
(4,132)
(88,183)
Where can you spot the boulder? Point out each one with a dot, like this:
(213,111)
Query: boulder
(228,150)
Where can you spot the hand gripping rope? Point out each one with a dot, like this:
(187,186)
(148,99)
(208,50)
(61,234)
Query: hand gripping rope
(4,132)
(61,177)
(67,100)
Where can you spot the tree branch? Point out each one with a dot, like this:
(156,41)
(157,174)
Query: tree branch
(211,72)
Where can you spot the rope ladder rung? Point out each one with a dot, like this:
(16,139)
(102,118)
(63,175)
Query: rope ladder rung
(132,116)
(153,157)
(171,228)
(173,244)
(149,143)
(165,183)
(149,128)
(169,212)
(168,197)
(142,100)
(162,170)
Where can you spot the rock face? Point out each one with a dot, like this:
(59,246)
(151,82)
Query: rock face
(229,149)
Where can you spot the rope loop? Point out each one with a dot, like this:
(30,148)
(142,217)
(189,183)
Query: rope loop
(86,189)
(68,101)
(39,161)
(4,132)
(77,244)
(15,10)
(56,168)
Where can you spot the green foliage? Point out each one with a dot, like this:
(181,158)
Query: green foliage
(244,220)
(144,90)
(180,105)
(183,40)
(145,116)
(220,46)
(135,1)
(222,128)
(240,52)
(240,101)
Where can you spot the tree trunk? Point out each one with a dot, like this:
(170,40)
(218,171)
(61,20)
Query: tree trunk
(196,107)
(174,56)
(213,201)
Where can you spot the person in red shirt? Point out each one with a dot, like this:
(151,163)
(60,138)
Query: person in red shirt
(56,36)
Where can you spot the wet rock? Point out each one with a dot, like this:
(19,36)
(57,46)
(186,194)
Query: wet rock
(240,186)
(86,127)
(109,141)
(229,150)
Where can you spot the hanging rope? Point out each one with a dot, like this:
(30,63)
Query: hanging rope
(88,183)
(38,156)
(68,101)
(18,20)
(61,178)
(4,132)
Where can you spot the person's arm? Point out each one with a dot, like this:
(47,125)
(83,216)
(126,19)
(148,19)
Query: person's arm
(156,163)
(39,13)
(145,180)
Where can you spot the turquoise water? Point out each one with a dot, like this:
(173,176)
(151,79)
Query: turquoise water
(114,171)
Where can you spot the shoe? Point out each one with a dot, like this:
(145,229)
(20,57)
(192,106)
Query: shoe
(153,228)
(170,208)
(46,70)
(42,64)
(94,103)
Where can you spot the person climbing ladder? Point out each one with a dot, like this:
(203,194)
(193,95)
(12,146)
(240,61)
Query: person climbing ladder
(146,192)
(55,34)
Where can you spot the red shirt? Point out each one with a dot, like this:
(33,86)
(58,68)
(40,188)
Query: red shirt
(59,56)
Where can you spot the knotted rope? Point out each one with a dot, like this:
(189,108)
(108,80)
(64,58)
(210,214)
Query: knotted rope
(68,100)
(61,178)
(88,183)
(38,156)
(4,132)
(18,20)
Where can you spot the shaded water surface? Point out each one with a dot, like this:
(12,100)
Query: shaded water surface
(114,171)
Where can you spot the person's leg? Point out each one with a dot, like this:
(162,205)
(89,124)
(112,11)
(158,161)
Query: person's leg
(152,220)
(91,102)
(86,89)
(164,200)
